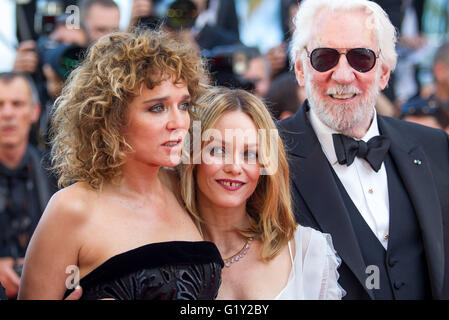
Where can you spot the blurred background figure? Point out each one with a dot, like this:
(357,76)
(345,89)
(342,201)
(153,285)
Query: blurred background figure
(258,72)
(204,23)
(201,23)
(139,9)
(99,17)
(284,96)
(440,90)
(8,36)
(386,107)
(278,55)
(266,24)
(52,47)
(49,61)
(431,107)
(217,29)
(25,187)
(427,112)
(412,48)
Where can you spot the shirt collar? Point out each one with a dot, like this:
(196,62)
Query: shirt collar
(324,134)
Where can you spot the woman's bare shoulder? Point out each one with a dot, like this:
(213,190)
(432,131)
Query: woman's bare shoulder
(72,203)
(56,243)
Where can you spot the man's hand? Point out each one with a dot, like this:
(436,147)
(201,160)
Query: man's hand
(54,82)
(8,277)
(277,58)
(140,8)
(76,294)
(26,57)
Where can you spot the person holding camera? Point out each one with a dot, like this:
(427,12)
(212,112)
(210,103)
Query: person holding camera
(58,43)
(42,59)
(30,49)
(25,187)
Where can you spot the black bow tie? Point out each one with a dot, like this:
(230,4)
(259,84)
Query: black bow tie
(373,151)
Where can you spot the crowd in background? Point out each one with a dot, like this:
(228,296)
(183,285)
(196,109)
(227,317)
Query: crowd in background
(246,44)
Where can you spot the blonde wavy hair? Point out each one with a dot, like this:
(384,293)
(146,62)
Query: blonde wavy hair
(88,144)
(269,208)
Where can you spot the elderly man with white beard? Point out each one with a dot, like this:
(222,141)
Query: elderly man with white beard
(378,185)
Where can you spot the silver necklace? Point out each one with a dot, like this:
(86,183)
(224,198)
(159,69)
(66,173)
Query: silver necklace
(239,255)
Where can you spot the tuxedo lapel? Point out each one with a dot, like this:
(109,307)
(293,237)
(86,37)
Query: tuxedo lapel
(312,176)
(416,175)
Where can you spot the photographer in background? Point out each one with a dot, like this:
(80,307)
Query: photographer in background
(41,26)
(191,21)
(49,60)
(187,20)
(139,9)
(59,47)
(25,187)
(98,18)
(259,73)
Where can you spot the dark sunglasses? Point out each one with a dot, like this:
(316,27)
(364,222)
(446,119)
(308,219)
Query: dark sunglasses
(324,59)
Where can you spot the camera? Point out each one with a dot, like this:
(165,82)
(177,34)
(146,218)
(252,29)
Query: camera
(63,58)
(47,12)
(228,64)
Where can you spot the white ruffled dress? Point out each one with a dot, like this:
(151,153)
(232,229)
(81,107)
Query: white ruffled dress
(314,268)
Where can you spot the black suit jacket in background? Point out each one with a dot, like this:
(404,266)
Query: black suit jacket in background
(318,204)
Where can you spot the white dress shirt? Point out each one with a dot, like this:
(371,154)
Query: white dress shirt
(367,188)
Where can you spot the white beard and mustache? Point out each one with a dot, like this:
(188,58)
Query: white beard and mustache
(343,117)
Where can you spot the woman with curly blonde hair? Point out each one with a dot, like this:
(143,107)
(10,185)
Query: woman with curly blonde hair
(236,187)
(118,224)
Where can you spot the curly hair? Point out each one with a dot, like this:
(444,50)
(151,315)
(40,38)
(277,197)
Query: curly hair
(90,115)
(269,208)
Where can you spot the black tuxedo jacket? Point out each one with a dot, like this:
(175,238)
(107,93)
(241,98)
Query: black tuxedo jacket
(318,203)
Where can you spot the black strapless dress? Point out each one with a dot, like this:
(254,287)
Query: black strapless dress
(175,270)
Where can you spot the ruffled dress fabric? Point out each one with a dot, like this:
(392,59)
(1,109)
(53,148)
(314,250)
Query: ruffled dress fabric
(176,270)
(314,274)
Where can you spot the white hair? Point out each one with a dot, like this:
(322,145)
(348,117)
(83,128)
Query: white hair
(385,33)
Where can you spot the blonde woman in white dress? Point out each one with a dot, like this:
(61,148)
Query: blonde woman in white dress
(247,214)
